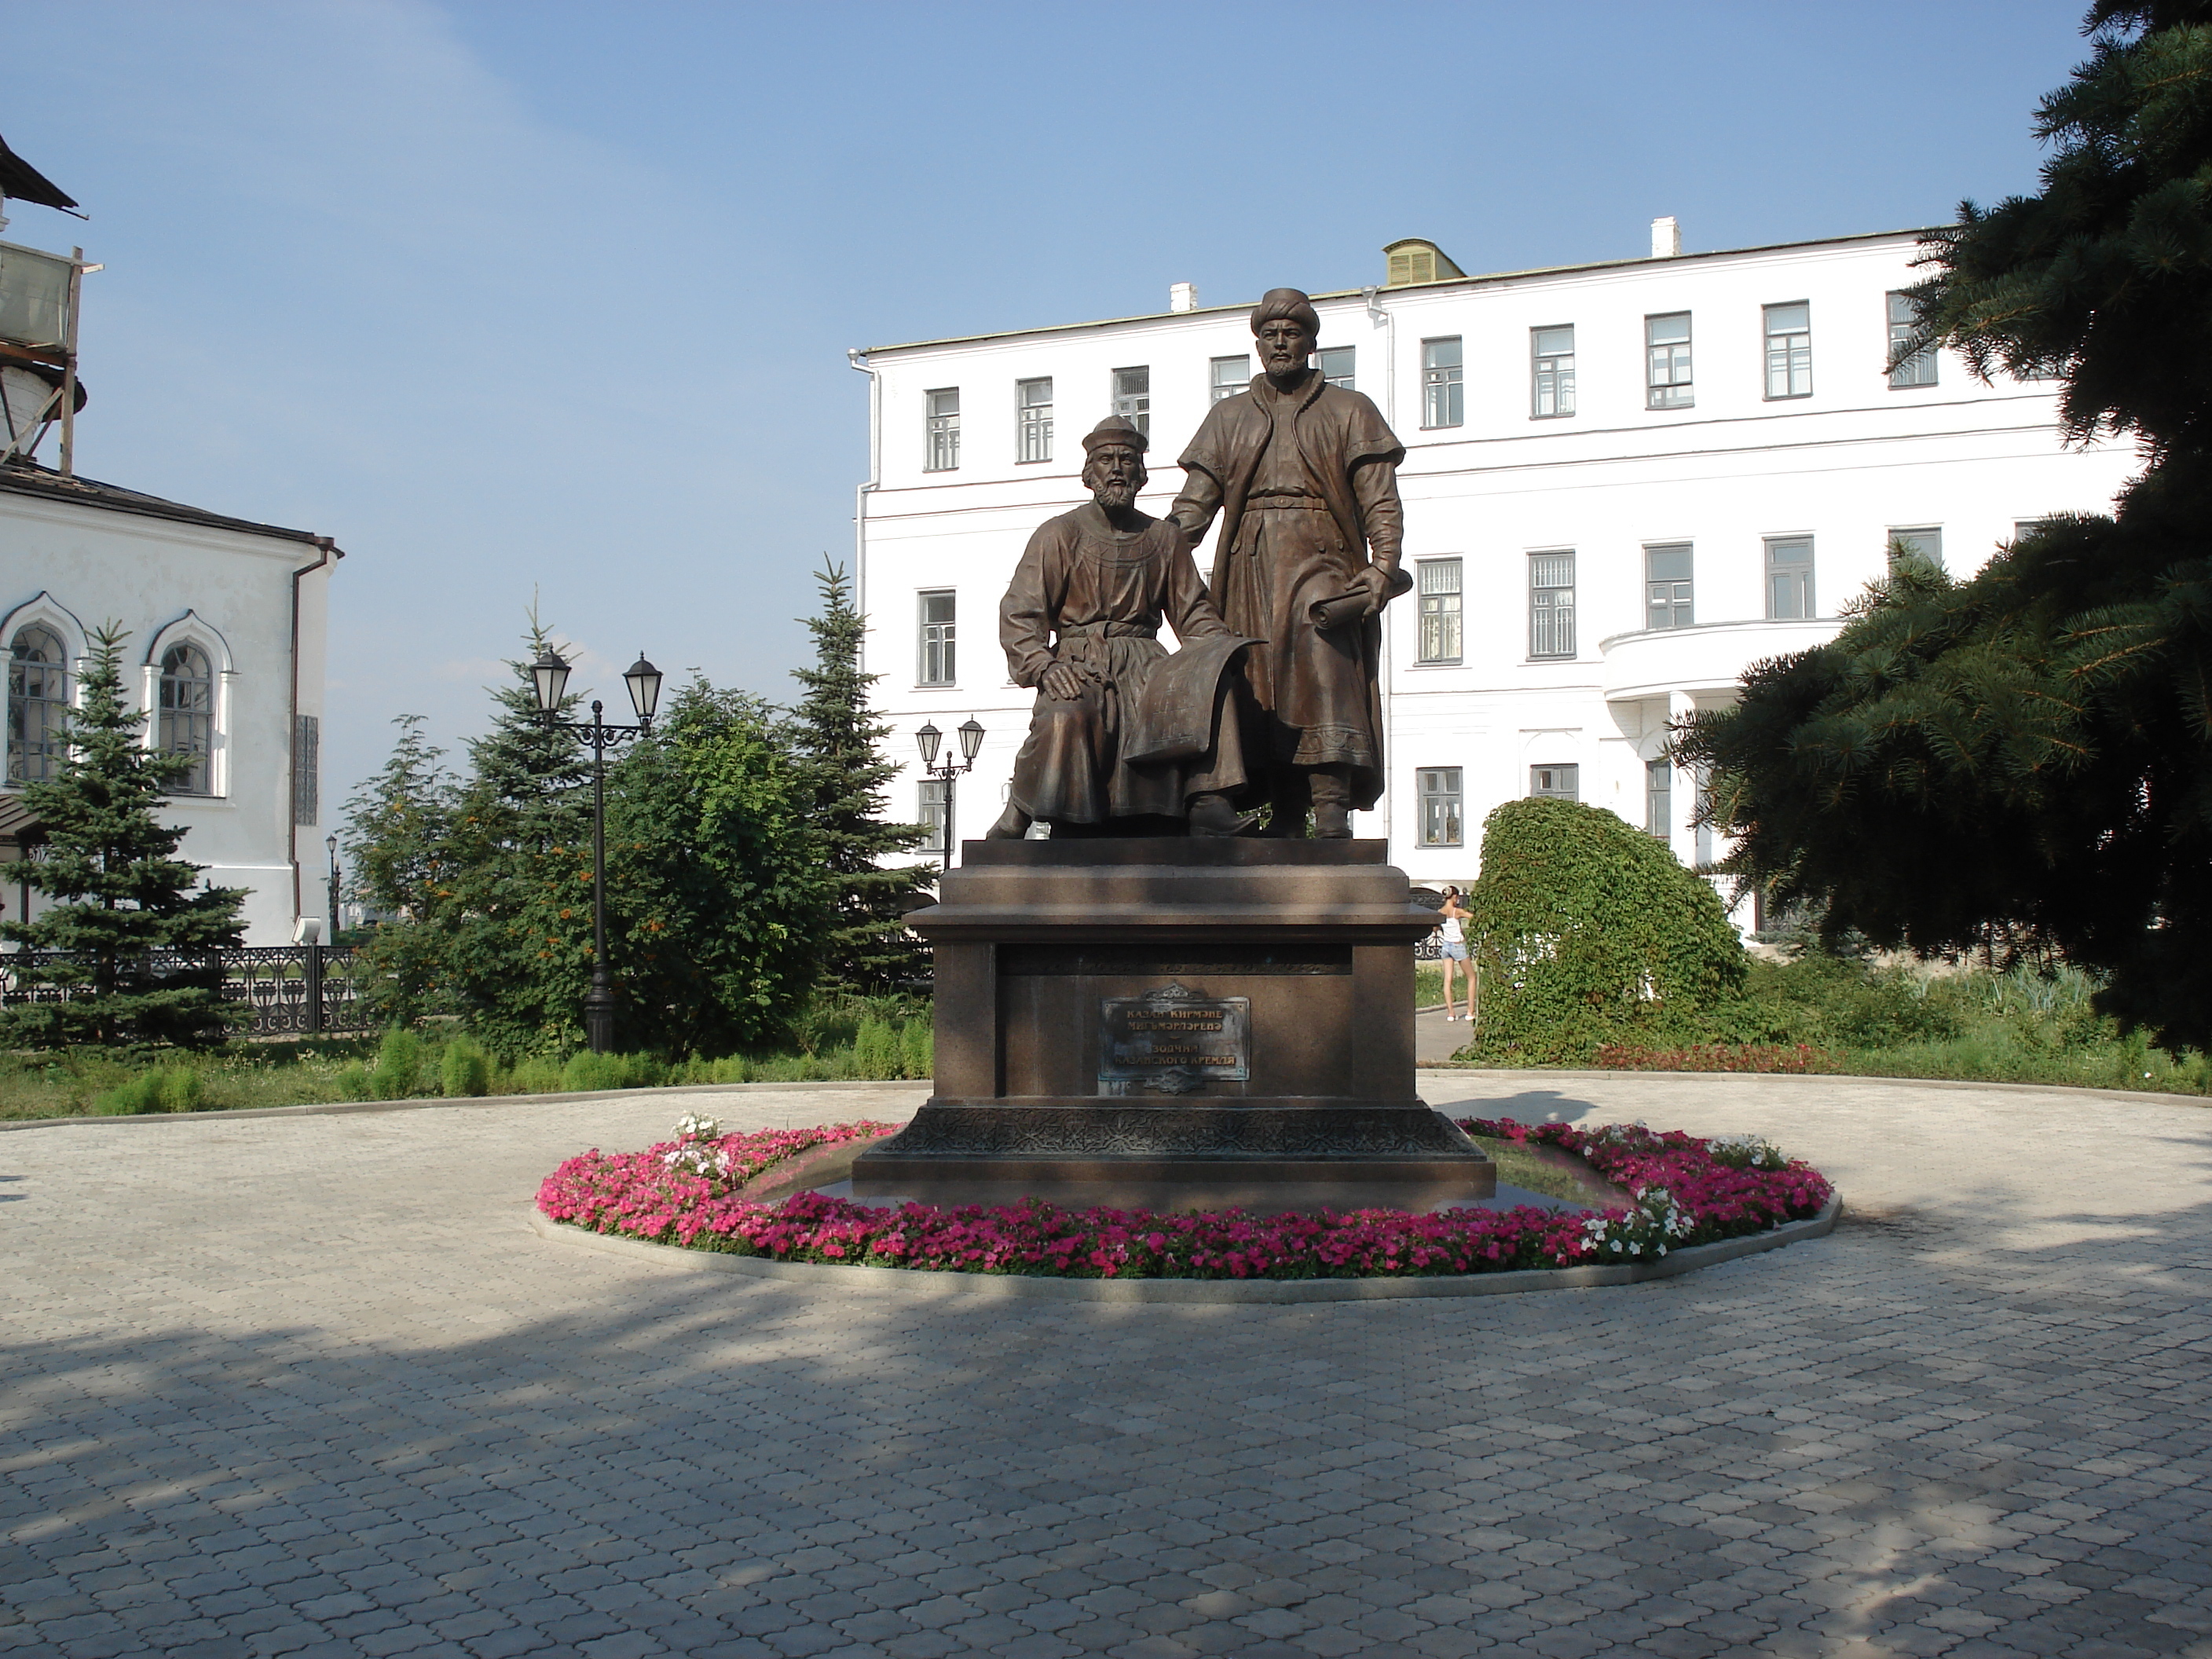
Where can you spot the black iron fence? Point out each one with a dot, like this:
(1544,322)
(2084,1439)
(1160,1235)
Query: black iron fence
(287,989)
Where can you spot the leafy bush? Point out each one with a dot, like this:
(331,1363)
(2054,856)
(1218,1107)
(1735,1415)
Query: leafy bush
(1588,932)
(465,1069)
(158,1089)
(398,1074)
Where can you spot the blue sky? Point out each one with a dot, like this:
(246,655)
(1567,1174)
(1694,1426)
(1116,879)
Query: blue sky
(554,299)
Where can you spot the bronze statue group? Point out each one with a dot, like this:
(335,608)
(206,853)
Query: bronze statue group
(1272,698)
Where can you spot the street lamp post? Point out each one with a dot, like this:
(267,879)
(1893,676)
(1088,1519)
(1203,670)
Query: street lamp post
(549,674)
(971,739)
(331,843)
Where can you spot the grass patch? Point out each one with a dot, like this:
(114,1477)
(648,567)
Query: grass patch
(1518,1166)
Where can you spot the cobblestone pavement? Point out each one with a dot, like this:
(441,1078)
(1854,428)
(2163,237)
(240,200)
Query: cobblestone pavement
(310,1385)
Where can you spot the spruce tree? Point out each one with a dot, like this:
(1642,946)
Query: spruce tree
(125,899)
(867,949)
(2027,753)
(398,831)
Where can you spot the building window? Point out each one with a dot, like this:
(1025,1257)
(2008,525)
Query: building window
(1230,376)
(1790,577)
(1438,580)
(1440,787)
(1555,782)
(1336,364)
(1550,605)
(186,716)
(1133,398)
(1667,586)
(1033,413)
(1552,352)
(1789,350)
(935,821)
(37,698)
(1667,361)
(1915,368)
(1442,395)
(1924,542)
(1659,798)
(307,769)
(944,429)
(933,663)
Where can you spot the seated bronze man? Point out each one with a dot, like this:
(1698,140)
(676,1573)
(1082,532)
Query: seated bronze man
(1080,622)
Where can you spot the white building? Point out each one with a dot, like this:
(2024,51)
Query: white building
(1625,483)
(225,619)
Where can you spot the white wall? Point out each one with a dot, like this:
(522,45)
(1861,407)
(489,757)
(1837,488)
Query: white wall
(1843,465)
(100,566)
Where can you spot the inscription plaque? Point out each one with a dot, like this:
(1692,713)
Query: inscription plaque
(1172,1040)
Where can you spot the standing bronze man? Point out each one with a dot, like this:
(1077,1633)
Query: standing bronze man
(1305,477)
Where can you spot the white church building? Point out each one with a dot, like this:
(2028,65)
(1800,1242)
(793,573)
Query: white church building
(226,620)
(1625,483)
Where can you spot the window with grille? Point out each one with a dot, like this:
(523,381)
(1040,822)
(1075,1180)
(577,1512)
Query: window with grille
(935,818)
(944,430)
(1133,398)
(1556,783)
(1913,368)
(1438,787)
(1667,362)
(1659,798)
(37,698)
(1033,412)
(1336,364)
(1550,605)
(1667,586)
(1926,542)
(1789,350)
(933,659)
(307,769)
(1230,376)
(1437,582)
(1551,353)
(186,716)
(1442,395)
(1790,577)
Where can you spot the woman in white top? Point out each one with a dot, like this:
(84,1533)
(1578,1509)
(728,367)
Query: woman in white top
(1452,951)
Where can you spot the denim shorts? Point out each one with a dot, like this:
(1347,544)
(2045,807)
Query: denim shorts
(1452,950)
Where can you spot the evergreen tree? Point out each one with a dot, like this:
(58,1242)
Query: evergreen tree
(124,893)
(867,948)
(399,828)
(2028,751)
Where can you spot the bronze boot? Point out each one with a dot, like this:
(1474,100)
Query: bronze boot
(1332,802)
(1013,824)
(1210,814)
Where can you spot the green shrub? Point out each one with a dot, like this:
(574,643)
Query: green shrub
(918,1044)
(465,1069)
(180,1089)
(352,1083)
(158,1088)
(875,1050)
(1588,932)
(397,1073)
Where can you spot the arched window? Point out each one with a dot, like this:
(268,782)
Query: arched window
(187,714)
(38,693)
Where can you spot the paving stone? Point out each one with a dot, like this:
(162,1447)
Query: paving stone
(310,1383)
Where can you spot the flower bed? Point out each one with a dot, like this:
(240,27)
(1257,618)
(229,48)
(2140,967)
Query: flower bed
(1720,1057)
(684,1192)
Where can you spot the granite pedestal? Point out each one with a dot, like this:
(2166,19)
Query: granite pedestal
(1175,1024)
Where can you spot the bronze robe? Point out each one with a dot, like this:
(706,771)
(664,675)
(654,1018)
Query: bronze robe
(1306,486)
(1088,596)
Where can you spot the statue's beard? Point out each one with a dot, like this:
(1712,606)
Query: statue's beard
(1119,496)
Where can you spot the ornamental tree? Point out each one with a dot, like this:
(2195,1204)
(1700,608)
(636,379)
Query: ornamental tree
(2026,754)
(128,908)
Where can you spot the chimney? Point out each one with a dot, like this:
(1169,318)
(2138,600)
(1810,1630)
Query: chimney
(1666,238)
(1182,296)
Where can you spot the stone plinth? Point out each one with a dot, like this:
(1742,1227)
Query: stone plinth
(1176,1024)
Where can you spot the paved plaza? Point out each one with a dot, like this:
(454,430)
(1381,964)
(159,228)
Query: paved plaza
(310,1385)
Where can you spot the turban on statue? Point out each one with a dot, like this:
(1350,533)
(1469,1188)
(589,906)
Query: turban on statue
(1286,302)
(1115,430)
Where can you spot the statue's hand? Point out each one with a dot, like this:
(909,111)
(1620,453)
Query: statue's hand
(1060,682)
(1375,581)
